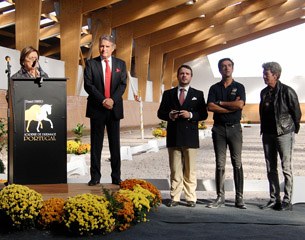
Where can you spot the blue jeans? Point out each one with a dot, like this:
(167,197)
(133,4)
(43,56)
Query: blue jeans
(228,136)
(282,145)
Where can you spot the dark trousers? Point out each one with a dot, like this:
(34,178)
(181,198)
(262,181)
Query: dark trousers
(228,136)
(282,145)
(97,130)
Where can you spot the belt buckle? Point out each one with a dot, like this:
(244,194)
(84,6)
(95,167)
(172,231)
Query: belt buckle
(229,124)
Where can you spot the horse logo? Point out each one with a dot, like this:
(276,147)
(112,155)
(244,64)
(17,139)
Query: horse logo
(38,113)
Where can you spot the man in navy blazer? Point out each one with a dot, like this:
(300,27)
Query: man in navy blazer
(182,140)
(105,111)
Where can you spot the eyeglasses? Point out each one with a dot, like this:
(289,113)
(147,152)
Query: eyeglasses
(32,59)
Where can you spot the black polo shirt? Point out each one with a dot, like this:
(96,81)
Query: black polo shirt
(218,92)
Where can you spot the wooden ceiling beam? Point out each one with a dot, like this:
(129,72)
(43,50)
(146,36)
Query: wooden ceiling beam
(241,35)
(7,19)
(86,39)
(27,23)
(49,32)
(249,37)
(133,10)
(175,16)
(51,51)
(230,25)
(47,6)
(214,18)
(70,32)
(92,5)
(7,34)
(237,41)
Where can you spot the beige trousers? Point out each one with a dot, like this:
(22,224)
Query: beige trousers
(182,163)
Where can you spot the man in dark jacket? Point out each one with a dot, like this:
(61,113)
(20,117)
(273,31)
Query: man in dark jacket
(280,117)
(105,82)
(182,107)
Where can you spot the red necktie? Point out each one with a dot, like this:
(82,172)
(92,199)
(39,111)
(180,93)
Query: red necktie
(107,79)
(181,96)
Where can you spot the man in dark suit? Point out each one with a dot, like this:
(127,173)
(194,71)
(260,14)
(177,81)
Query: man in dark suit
(182,107)
(105,82)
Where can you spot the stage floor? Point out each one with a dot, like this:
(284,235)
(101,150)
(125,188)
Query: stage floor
(69,190)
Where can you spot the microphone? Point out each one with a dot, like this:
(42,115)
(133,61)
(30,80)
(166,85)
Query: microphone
(8,70)
(34,63)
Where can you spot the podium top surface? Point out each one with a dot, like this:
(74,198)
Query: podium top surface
(35,79)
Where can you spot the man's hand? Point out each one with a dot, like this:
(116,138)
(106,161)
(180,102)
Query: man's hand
(173,114)
(184,114)
(108,103)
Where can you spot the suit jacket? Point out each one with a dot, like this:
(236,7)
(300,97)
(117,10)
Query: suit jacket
(94,86)
(183,132)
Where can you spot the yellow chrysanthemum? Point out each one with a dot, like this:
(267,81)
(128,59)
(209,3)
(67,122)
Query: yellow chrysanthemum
(88,214)
(21,204)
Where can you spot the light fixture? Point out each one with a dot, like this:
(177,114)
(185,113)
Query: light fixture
(190,2)
(202,16)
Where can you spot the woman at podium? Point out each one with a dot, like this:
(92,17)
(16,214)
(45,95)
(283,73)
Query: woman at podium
(30,67)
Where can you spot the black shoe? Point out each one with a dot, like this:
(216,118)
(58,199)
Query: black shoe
(286,206)
(239,203)
(219,202)
(276,205)
(190,204)
(93,182)
(172,203)
(116,182)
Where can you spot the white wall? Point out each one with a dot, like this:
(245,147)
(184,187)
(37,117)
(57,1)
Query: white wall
(285,47)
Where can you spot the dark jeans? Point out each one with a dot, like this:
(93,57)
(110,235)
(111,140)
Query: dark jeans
(231,136)
(282,145)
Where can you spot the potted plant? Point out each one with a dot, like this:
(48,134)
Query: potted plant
(77,152)
(78,131)
(76,146)
(160,131)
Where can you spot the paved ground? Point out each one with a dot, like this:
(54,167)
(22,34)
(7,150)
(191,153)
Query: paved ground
(154,165)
